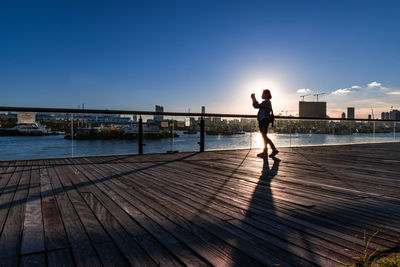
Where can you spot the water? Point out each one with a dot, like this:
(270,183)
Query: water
(30,147)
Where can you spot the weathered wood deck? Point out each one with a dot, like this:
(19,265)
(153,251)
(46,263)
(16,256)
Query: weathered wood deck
(220,208)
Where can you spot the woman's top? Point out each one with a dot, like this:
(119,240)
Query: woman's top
(265,108)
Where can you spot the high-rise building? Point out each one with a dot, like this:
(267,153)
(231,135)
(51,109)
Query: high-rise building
(350,113)
(312,109)
(383,116)
(387,116)
(203,109)
(159,117)
(369,116)
(343,115)
(394,114)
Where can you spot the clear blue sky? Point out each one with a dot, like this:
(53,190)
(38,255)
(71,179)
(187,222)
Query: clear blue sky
(185,54)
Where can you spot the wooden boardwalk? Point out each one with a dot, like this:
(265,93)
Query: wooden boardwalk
(311,207)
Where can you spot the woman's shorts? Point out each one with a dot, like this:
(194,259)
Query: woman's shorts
(263,125)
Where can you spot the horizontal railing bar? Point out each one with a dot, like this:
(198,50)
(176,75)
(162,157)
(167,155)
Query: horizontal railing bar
(185,114)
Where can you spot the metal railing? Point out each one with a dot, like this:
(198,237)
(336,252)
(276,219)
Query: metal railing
(177,114)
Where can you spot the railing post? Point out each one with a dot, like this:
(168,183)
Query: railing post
(72,135)
(374,132)
(140,136)
(202,134)
(290,134)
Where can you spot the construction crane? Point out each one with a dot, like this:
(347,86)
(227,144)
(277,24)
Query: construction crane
(302,96)
(319,95)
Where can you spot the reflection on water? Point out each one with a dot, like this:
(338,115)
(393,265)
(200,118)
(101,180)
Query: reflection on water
(19,147)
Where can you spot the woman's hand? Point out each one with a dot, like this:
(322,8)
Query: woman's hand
(253,96)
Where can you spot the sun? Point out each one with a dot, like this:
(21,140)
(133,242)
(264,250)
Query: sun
(256,86)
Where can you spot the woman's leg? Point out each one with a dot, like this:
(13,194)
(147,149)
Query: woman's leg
(269,141)
(265,138)
(264,130)
(263,125)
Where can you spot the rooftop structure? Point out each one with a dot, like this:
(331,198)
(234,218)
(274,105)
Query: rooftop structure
(312,109)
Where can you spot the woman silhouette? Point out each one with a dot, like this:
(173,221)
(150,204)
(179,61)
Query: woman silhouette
(264,118)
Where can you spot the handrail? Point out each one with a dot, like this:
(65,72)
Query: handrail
(186,114)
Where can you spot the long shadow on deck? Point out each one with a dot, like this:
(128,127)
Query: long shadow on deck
(259,221)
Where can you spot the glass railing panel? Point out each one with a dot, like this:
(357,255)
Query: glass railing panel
(384,131)
(229,133)
(171,134)
(187,134)
(102,134)
(309,132)
(364,132)
(27,136)
(111,134)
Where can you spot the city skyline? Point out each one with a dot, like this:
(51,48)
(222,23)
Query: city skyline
(190,54)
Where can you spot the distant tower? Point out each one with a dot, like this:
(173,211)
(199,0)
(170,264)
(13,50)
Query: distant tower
(203,109)
(343,115)
(369,116)
(383,117)
(159,117)
(387,116)
(350,113)
(395,114)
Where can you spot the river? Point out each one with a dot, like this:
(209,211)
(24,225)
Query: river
(31,147)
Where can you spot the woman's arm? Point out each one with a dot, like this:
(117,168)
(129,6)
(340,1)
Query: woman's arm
(255,102)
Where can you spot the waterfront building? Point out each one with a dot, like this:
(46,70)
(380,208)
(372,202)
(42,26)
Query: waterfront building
(207,121)
(312,109)
(343,115)
(203,109)
(159,117)
(383,116)
(394,114)
(193,121)
(369,116)
(350,113)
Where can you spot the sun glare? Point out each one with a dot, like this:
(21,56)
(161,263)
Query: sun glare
(256,86)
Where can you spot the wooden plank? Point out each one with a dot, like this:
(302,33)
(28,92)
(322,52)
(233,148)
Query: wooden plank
(106,250)
(5,175)
(352,210)
(318,200)
(194,237)
(33,260)
(10,237)
(33,233)
(60,258)
(136,256)
(215,252)
(8,194)
(127,245)
(55,237)
(165,186)
(182,252)
(197,212)
(216,210)
(81,247)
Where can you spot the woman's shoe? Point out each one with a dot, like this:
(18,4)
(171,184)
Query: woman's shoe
(274,153)
(262,154)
